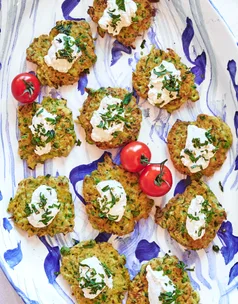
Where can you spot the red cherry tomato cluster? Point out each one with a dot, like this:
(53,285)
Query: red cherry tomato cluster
(25,87)
(155,179)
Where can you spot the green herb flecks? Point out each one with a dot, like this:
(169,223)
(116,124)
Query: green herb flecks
(90,281)
(43,201)
(208,211)
(64,29)
(197,143)
(126,100)
(121,5)
(221,187)
(114,115)
(171,83)
(115,19)
(28,210)
(209,136)
(184,267)
(143,44)
(193,158)
(170,297)
(78,143)
(106,205)
(65,250)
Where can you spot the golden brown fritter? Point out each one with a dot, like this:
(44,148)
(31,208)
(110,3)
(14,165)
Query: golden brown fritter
(173,216)
(64,220)
(175,270)
(141,77)
(133,117)
(220,132)
(138,204)
(79,30)
(65,136)
(109,257)
(140,23)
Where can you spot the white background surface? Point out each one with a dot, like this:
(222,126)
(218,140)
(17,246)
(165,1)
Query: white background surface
(228,9)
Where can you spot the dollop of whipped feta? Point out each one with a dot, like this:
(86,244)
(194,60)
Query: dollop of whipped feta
(158,283)
(63,53)
(113,199)
(164,84)
(116,17)
(108,119)
(198,149)
(93,278)
(42,128)
(196,219)
(43,207)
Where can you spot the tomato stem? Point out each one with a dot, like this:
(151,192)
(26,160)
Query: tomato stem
(159,178)
(144,160)
(29,87)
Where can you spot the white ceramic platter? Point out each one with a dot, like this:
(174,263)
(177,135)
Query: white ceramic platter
(194,30)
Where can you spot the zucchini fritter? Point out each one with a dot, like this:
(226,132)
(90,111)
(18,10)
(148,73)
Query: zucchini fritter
(174,269)
(140,23)
(107,255)
(79,30)
(138,204)
(173,216)
(219,131)
(133,117)
(65,136)
(64,220)
(141,77)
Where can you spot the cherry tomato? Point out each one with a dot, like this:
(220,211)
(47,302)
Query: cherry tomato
(25,87)
(135,156)
(156,179)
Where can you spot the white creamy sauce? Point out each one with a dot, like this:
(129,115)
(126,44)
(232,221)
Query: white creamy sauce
(157,95)
(54,57)
(108,190)
(196,228)
(39,128)
(105,133)
(44,206)
(202,154)
(92,269)
(157,283)
(114,19)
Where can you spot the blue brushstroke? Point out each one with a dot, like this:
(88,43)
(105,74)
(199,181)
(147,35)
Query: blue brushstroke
(233,272)
(236,163)
(52,267)
(67,7)
(13,256)
(146,251)
(236,122)
(82,83)
(55,94)
(103,237)
(229,241)
(51,263)
(117,158)
(182,185)
(78,173)
(152,35)
(0,66)
(6,224)
(17,289)
(117,50)
(199,63)
(232,69)
(1,197)
(137,97)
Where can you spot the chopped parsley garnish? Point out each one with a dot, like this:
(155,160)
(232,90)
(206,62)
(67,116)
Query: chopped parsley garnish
(207,210)
(127,99)
(184,267)
(115,19)
(191,156)
(64,29)
(43,201)
(171,83)
(143,44)
(106,205)
(221,187)
(192,217)
(209,136)
(107,270)
(121,5)
(46,217)
(90,280)
(78,143)
(197,143)
(28,210)
(39,112)
(170,297)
